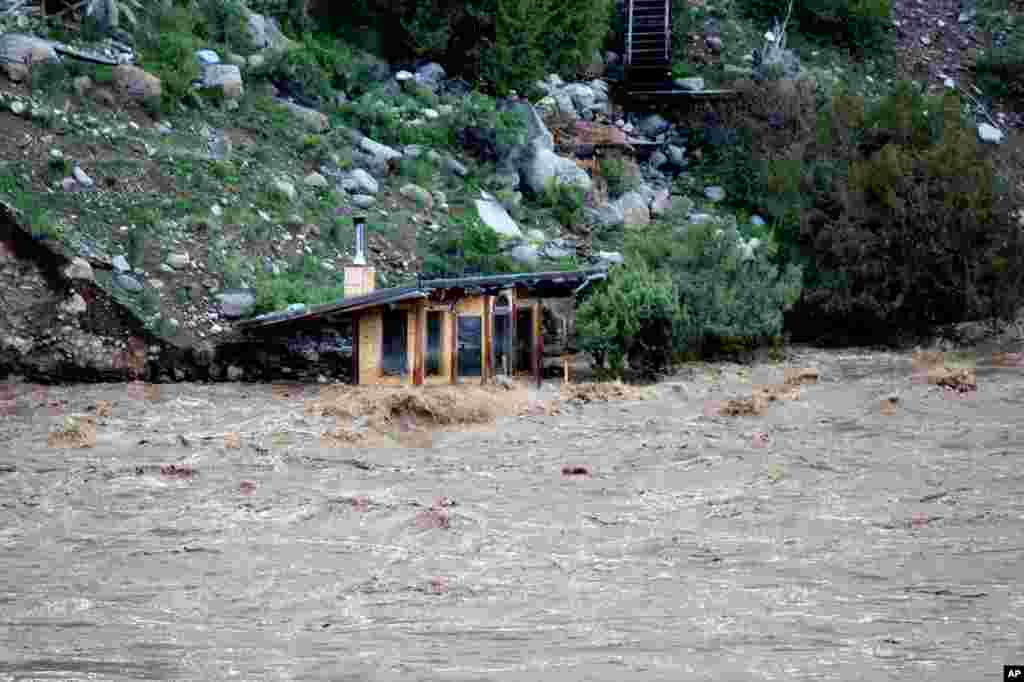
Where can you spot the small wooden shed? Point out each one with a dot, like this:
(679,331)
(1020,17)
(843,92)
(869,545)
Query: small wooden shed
(442,330)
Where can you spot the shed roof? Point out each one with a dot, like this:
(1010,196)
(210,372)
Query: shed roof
(549,282)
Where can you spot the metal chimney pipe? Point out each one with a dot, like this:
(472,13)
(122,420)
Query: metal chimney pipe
(360,257)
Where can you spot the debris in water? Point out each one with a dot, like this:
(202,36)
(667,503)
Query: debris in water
(775,473)
(437,585)
(77,432)
(961,380)
(919,520)
(1008,359)
(361,503)
(743,407)
(182,471)
(760,440)
(247,487)
(432,518)
(575,471)
(796,377)
(104,408)
(233,440)
(772,392)
(888,405)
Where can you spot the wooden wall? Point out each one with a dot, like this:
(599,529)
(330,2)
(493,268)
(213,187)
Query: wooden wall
(370,341)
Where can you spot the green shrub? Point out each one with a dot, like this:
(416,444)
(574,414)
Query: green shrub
(859,22)
(726,297)
(419,171)
(467,245)
(922,235)
(634,314)
(167,49)
(619,182)
(1000,71)
(565,200)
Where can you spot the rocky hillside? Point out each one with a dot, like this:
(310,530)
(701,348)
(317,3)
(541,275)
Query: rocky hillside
(242,201)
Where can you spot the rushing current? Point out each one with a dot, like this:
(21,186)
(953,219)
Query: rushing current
(825,540)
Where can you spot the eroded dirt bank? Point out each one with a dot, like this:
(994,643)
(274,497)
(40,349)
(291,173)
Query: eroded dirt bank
(829,539)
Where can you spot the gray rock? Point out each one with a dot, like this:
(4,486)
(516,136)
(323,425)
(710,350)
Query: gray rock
(364,182)
(120,264)
(265,33)
(207,57)
(457,168)
(17,51)
(757,221)
(235,373)
(582,96)
(315,180)
(525,255)
(403,76)
(74,305)
(431,75)
(715,193)
(662,203)
(363,200)
(692,84)
(559,248)
(178,261)
(381,152)
(658,160)
(676,155)
(990,134)
(127,282)
(608,215)
(434,157)
(545,165)
(79,268)
(494,215)
(653,125)
(286,189)
(236,303)
(81,177)
(226,77)
(635,208)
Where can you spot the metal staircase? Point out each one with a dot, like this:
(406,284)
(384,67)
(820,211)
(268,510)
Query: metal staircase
(648,42)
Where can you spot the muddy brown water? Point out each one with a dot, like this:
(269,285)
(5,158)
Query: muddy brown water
(846,545)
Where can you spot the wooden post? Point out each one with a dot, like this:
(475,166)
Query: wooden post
(453,349)
(510,367)
(355,349)
(419,344)
(487,366)
(565,370)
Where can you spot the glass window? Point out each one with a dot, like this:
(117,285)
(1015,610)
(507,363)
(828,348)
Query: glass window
(394,360)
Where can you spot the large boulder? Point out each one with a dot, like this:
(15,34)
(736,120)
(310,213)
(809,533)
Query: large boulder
(133,83)
(380,152)
(264,33)
(494,215)
(224,77)
(545,166)
(635,208)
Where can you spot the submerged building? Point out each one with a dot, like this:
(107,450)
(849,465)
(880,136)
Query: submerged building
(439,330)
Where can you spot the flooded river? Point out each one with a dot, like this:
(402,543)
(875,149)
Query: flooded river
(825,540)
